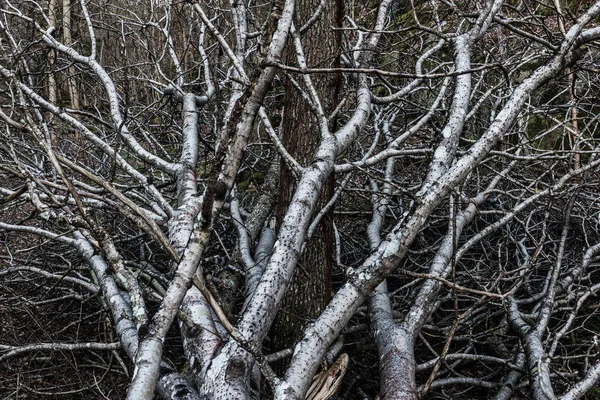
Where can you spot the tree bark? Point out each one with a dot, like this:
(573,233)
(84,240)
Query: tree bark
(310,290)
(68,39)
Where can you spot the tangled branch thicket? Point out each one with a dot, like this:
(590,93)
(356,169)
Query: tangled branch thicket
(147,248)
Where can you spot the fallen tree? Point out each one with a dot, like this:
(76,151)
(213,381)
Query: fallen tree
(142,152)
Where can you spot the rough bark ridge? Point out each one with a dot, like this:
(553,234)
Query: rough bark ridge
(310,290)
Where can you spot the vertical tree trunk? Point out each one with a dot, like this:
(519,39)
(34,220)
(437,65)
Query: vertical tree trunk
(52,55)
(310,290)
(68,40)
(51,59)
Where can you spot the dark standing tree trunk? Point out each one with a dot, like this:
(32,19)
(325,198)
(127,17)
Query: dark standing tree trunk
(310,290)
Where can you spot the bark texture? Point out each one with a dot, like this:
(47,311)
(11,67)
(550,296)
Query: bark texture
(310,289)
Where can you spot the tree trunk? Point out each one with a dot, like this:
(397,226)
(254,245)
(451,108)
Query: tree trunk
(68,40)
(310,290)
(52,6)
(51,54)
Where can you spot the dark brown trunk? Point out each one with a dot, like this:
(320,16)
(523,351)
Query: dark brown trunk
(311,289)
